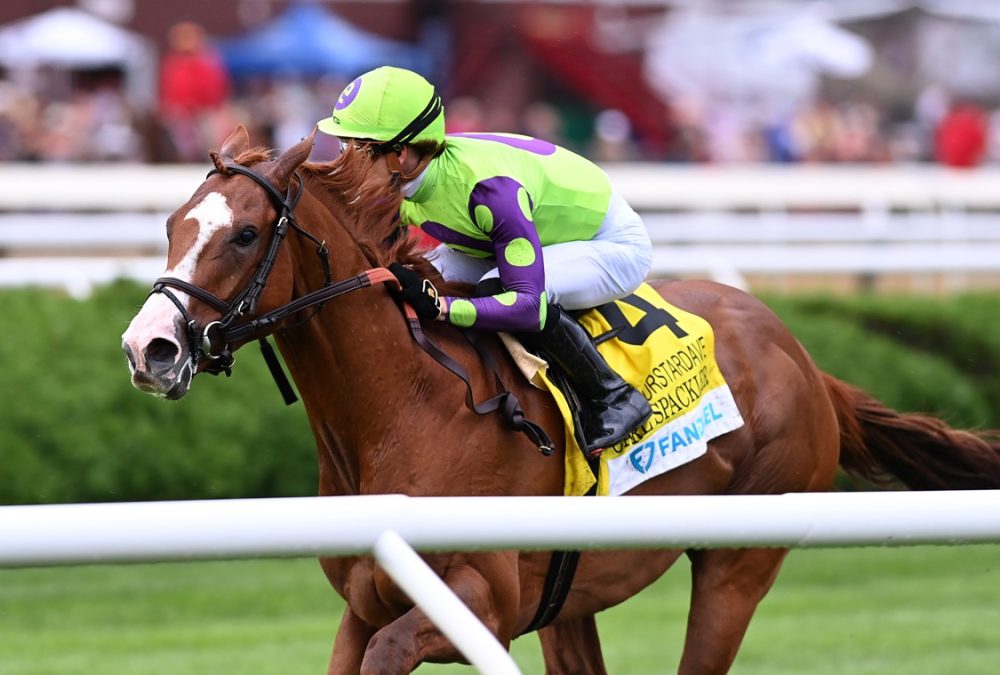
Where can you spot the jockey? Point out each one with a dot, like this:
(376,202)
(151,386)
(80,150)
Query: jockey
(537,225)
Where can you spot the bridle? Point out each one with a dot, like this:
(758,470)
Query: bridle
(215,339)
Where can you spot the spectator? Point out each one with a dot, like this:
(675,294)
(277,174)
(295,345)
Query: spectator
(17,109)
(466,114)
(960,139)
(929,109)
(613,137)
(541,119)
(993,137)
(194,88)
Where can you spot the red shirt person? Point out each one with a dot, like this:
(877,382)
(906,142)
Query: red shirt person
(194,85)
(960,138)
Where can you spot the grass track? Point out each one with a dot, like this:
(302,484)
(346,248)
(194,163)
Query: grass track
(923,610)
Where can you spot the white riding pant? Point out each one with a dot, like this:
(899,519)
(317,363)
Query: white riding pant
(578,274)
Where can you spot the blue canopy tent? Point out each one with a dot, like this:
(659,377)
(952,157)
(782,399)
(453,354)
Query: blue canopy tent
(308,40)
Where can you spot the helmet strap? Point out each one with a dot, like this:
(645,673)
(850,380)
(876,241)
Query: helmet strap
(392,159)
(430,113)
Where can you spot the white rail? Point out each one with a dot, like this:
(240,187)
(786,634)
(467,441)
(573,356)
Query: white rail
(98,187)
(67,226)
(779,187)
(311,526)
(647,186)
(388,525)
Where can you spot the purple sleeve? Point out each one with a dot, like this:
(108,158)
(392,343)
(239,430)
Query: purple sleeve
(501,207)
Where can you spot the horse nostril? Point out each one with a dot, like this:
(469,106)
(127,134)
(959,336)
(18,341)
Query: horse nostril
(161,354)
(129,356)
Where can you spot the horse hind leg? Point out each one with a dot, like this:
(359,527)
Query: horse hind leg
(572,647)
(727,585)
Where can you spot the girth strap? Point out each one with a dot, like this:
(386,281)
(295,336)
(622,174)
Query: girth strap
(558,580)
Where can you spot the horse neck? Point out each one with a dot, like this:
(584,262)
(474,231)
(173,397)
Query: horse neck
(354,362)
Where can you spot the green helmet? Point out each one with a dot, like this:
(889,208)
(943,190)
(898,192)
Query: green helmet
(391,105)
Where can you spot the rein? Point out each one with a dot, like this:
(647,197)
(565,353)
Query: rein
(214,341)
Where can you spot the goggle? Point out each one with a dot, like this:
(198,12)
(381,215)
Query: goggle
(346,143)
(374,149)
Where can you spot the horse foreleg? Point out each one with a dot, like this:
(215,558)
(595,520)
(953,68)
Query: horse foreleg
(412,639)
(349,646)
(727,585)
(572,647)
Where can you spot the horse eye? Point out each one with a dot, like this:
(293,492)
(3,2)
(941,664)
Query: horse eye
(246,236)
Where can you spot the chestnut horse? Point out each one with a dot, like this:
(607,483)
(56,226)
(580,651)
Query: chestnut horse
(388,418)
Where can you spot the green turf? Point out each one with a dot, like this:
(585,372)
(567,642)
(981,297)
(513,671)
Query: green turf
(857,611)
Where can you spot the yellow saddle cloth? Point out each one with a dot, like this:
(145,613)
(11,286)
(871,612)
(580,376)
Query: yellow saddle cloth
(668,355)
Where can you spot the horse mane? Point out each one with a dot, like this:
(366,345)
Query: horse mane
(368,211)
(370,215)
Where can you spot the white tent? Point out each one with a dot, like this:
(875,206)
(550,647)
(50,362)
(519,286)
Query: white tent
(70,38)
(860,10)
(951,44)
(778,55)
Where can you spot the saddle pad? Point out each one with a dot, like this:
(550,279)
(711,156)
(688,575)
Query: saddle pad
(668,355)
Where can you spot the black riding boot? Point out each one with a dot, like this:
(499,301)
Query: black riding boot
(611,407)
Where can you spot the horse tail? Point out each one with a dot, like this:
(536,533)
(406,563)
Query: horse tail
(879,444)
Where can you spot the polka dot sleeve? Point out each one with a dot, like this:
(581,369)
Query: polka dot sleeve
(501,208)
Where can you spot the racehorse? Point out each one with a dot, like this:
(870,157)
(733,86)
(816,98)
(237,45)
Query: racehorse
(277,246)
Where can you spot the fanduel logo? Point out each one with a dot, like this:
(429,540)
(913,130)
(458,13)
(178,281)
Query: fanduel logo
(643,456)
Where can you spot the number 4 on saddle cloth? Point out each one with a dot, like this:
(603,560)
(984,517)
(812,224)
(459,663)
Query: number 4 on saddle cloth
(669,356)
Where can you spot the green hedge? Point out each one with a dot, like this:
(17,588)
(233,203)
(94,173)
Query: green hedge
(933,355)
(72,428)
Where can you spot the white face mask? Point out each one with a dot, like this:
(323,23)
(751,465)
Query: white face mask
(409,188)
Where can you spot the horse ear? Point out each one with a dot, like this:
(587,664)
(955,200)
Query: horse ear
(283,167)
(237,143)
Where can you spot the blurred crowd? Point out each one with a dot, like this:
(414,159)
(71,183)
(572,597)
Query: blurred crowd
(956,133)
(91,119)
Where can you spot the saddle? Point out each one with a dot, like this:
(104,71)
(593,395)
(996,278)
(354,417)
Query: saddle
(666,353)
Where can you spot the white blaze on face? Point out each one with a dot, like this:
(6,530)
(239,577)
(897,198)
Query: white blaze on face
(159,318)
(212,214)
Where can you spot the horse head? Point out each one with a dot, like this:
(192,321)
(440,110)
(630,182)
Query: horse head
(224,263)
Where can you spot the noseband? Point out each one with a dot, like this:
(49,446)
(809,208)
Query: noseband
(214,340)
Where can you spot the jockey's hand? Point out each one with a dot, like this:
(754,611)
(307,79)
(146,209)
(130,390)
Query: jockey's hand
(416,291)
